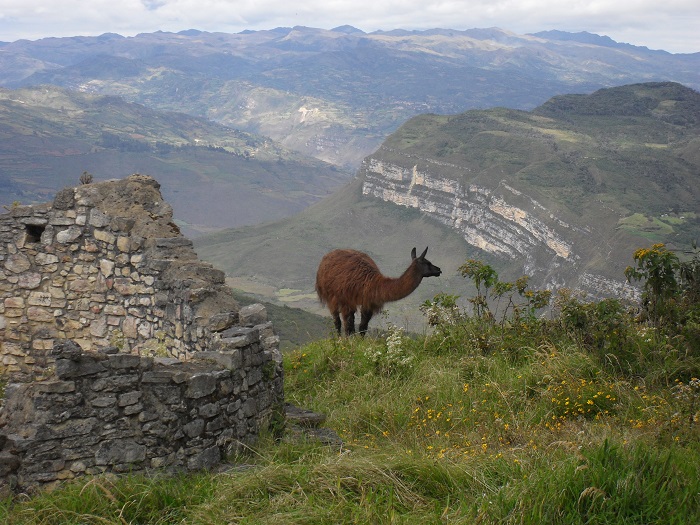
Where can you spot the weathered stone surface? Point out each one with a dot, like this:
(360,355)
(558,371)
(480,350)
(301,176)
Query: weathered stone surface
(112,278)
(120,451)
(201,385)
(223,321)
(65,349)
(194,428)
(29,280)
(65,199)
(206,459)
(253,314)
(56,387)
(125,361)
(303,417)
(69,235)
(18,263)
(70,369)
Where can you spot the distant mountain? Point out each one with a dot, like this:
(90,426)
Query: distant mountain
(213,176)
(336,95)
(564,193)
(583,37)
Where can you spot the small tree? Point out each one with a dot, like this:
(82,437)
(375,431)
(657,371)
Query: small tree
(487,285)
(482,275)
(657,267)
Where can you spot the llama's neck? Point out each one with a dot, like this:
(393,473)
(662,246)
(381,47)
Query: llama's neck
(398,288)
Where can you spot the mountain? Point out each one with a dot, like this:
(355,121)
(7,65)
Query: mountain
(564,193)
(213,176)
(336,95)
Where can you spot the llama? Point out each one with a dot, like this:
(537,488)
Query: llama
(347,279)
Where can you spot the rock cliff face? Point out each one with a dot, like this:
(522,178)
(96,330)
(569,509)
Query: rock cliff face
(496,218)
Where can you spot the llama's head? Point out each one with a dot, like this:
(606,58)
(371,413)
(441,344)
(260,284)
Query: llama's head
(425,267)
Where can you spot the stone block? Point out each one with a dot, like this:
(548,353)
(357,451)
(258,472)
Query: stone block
(201,385)
(230,360)
(105,401)
(124,361)
(222,321)
(194,428)
(133,409)
(44,259)
(98,219)
(98,327)
(67,369)
(209,410)
(29,280)
(14,302)
(216,425)
(120,451)
(68,235)
(205,460)
(55,387)
(105,237)
(129,398)
(39,299)
(17,263)
(66,349)
(106,267)
(158,376)
(68,429)
(252,315)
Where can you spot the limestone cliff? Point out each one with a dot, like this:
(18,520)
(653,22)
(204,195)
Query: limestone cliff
(494,217)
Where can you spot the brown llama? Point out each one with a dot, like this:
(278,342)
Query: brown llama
(347,279)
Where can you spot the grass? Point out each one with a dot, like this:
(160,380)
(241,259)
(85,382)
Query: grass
(472,423)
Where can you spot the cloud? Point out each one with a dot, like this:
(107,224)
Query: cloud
(670,25)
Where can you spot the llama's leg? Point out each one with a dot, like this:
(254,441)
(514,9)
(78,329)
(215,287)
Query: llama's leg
(349,320)
(336,321)
(366,315)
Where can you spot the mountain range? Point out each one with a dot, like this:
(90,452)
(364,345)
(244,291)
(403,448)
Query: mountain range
(337,94)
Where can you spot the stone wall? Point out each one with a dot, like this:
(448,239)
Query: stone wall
(119,348)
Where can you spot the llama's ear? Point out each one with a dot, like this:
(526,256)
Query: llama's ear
(422,255)
(413,253)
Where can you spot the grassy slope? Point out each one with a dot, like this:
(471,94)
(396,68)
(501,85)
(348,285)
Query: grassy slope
(518,426)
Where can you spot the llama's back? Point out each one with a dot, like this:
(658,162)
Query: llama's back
(342,276)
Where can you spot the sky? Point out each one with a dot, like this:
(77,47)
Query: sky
(671,25)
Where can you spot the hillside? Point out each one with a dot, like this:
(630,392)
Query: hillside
(277,261)
(337,94)
(213,176)
(564,193)
(591,417)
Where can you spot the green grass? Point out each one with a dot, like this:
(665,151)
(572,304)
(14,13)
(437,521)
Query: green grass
(472,423)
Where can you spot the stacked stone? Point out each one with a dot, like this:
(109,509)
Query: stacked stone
(103,277)
(111,412)
(98,269)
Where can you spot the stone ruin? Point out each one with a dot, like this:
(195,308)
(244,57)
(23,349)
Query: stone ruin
(121,351)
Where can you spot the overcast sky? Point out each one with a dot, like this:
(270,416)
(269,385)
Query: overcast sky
(672,25)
